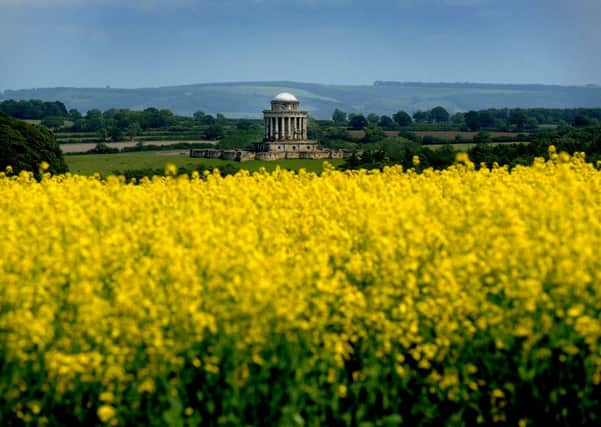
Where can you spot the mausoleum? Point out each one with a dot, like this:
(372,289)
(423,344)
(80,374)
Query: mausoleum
(285,136)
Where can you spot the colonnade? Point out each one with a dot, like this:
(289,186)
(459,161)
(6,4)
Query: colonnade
(285,127)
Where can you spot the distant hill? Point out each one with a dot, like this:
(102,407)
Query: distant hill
(248,99)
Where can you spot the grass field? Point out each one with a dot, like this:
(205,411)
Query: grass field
(82,147)
(106,164)
(467,145)
(450,135)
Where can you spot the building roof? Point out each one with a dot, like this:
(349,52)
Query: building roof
(285,97)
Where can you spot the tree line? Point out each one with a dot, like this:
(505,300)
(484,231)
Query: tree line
(395,151)
(504,119)
(33,109)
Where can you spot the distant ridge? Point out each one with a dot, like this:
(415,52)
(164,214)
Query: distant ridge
(472,85)
(248,99)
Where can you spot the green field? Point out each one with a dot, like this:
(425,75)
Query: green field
(105,164)
(467,145)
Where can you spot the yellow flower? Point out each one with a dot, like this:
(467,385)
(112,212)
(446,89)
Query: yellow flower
(106,413)
(107,396)
(170,169)
(131,287)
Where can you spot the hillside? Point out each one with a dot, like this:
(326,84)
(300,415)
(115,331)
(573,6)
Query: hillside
(248,99)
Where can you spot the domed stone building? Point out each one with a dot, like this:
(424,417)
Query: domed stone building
(285,136)
(286,127)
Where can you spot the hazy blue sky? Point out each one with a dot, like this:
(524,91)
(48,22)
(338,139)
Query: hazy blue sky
(135,43)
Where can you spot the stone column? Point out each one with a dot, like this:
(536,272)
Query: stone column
(277,128)
(270,120)
(270,127)
(287,127)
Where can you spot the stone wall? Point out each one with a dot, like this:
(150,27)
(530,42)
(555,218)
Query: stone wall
(243,156)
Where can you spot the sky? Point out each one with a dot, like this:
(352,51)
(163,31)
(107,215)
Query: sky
(149,43)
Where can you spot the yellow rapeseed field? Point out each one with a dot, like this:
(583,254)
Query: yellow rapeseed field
(366,298)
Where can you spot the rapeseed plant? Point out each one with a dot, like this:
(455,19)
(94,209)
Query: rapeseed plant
(387,297)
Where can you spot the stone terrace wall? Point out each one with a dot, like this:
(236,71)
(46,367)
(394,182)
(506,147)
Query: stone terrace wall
(242,155)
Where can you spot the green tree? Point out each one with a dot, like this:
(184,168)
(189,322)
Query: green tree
(373,118)
(402,118)
(421,116)
(472,120)
(214,132)
(482,137)
(116,134)
(439,115)
(486,119)
(582,121)
(358,122)
(458,119)
(207,119)
(373,133)
(25,147)
(167,118)
(94,120)
(387,123)
(339,117)
(53,122)
(518,118)
(198,116)
(133,130)
(74,115)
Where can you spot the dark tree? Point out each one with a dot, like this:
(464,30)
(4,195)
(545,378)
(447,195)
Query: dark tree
(167,118)
(198,116)
(53,122)
(74,115)
(94,120)
(246,125)
(214,132)
(133,130)
(518,118)
(339,117)
(486,119)
(439,114)
(373,133)
(402,118)
(472,120)
(421,116)
(373,118)
(582,121)
(358,122)
(387,123)
(207,119)
(116,134)
(25,147)
(151,118)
